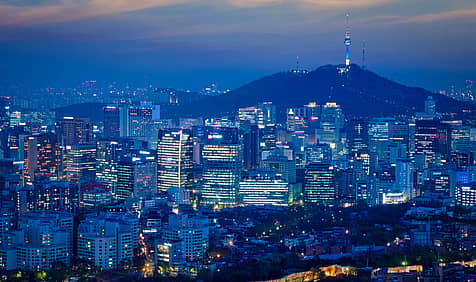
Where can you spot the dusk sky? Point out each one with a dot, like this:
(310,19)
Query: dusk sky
(191,43)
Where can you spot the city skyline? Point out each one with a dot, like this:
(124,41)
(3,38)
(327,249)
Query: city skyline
(49,43)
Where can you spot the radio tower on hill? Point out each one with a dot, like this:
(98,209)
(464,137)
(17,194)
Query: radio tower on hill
(347,42)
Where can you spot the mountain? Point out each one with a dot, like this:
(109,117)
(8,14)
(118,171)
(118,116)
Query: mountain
(360,92)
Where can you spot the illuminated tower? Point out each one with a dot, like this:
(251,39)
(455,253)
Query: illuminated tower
(347,42)
(174,159)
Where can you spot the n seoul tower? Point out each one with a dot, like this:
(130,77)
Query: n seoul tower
(347,42)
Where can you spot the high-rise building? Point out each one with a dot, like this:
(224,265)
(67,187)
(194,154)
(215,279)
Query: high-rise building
(80,163)
(432,142)
(108,240)
(137,175)
(318,153)
(281,164)
(192,230)
(331,126)
(108,154)
(251,146)
(50,195)
(430,106)
(253,115)
(404,178)
(466,194)
(379,139)
(222,165)
(357,135)
(319,184)
(268,137)
(263,187)
(112,122)
(174,159)
(43,158)
(139,121)
(73,130)
(269,112)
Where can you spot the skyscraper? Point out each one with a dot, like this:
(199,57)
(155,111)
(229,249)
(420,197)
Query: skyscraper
(73,130)
(251,145)
(137,175)
(432,142)
(112,122)
(331,126)
(139,121)
(357,135)
(109,153)
(319,184)
(174,159)
(404,177)
(80,163)
(252,114)
(43,158)
(222,165)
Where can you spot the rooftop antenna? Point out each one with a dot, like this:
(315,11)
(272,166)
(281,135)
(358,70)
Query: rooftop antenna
(363,54)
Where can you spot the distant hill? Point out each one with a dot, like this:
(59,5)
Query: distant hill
(360,92)
(89,110)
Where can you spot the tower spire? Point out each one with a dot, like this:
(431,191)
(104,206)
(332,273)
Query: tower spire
(363,54)
(347,41)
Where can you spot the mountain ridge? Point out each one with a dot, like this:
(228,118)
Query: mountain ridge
(359,91)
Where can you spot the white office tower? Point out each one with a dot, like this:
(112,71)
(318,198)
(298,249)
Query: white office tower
(108,240)
(404,179)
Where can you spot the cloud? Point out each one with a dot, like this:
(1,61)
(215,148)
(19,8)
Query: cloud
(68,10)
(335,4)
(428,18)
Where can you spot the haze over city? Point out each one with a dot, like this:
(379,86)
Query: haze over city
(231,42)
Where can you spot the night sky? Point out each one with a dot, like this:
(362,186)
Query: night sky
(191,43)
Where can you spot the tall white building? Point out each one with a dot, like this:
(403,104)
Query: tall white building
(404,178)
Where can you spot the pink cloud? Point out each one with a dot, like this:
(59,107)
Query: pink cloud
(427,18)
(70,10)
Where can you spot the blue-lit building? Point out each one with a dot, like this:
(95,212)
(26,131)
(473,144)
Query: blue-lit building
(263,187)
(222,165)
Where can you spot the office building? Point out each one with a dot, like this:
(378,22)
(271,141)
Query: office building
(319,184)
(109,153)
(74,130)
(80,163)
(222,165)
(43,158)
(466,194)
(137,175)
(263,187)
(404,179)
(174,159)
(112,121)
